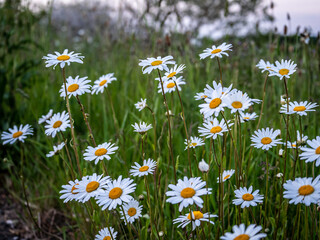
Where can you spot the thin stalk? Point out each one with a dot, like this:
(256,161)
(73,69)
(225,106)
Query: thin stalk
(219,70)
(250,210)
(68,154)
(266,198)
(125,218)
(262,104)
(74,145)
(155,132)
(113,112)
(142,155)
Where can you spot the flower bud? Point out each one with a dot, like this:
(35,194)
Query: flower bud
(279,175)
(203,166)
(281,152)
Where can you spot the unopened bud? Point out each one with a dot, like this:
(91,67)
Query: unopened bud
(279,175)
(161,233)
(203,166)
(141,197)
(281,152)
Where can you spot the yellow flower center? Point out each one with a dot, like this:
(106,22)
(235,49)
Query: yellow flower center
(132,211)
(216,129)
(156,63)
(170,85)
(74,188)
(306,190)
(246,118)
(92,186)
(226,177)
(194,144)
(115,193)
(100,152)
(293,145)
(63,58)
(266,140)
(103,82)
(196,214)
(242,237)
(57,124)
(216,51)
(204,96)
(215,103)
(299,108)
(284,71)
(318,150)
(188,192)
(73,87)
(171,75)
(17,134)
(107,238)
(247,197)
(236,104)
(143,169)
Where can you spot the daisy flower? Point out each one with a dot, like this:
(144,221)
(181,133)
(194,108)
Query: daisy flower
(62,59)
(56,149)
(226,175)
(238,102)
(193,142)
(75,87)
(200,96)
(300,108)
(265,66)
(265,138)
(16,133)
(302,190)
(59,122)
(70,191)
(147,167)
(102,83)
(141,105)
(174,71)
(283,69)
(216,51)
(44,118)
(213,128)
(132,211)
(159,63)
(311,153)
(117,192)
(218,87)
(141,128)
(246,117)
(91,186)
(187,192)
(104,234)
(241,233)
(203,166)
(214,103)
(283,100)
(246,197)
(170,85)
(301,141)
(197,218)
(102,151)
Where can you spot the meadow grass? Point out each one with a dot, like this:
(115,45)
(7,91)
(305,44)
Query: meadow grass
(36,92)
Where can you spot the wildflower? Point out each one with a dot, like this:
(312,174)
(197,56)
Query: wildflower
(302,190)
(70,191)
(91,186)
(311,153)
(196,219)
(241,233)
(226,175)
(170,85)
(141,105)
(218,87)
(298,143)
(265,138)
(246,197)
(132,211)
(187,192)
(246,117)
(300,108)
(238,102)
(193,142)
(214,104)
(203,166)
(141,128)
(104,234)
(213,129)
(216,51)
(15,133)
(102,151)
(283,69)
(265,66)
(56,149)
(148,167)
(279,175)
(160,63)
(59,122)
(44,118)
(102,83)
(117,192)
(200,96)
(75,87)
(62,59)
(174,71)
